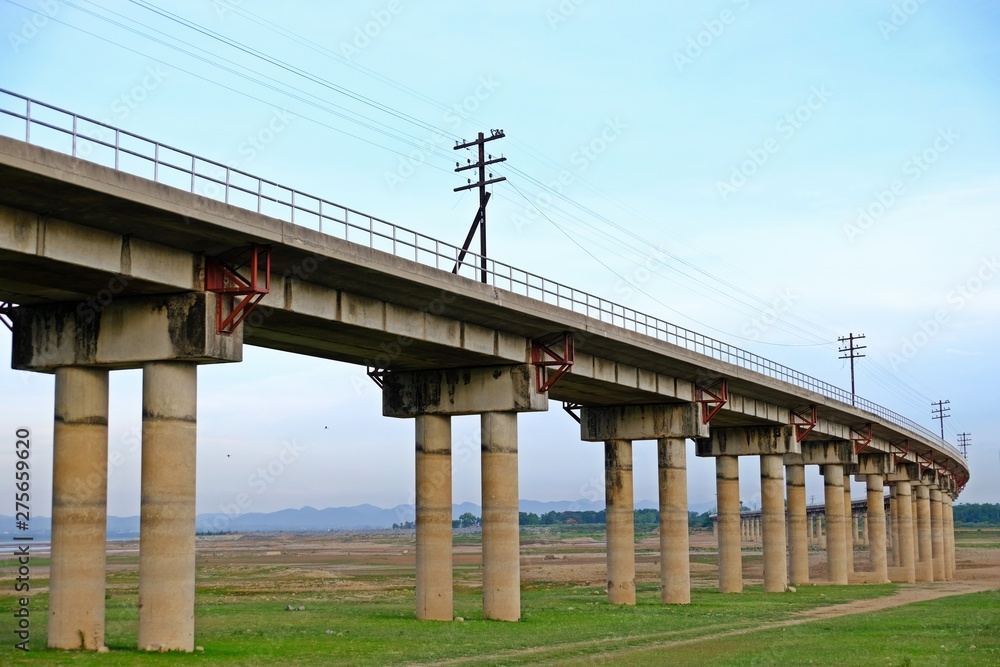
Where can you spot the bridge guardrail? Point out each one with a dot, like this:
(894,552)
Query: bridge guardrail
(61,130)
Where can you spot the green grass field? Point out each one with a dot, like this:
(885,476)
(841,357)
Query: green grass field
(359,611)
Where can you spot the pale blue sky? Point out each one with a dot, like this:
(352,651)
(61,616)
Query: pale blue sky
(675,101)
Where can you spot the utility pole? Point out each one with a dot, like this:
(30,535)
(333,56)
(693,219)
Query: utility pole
(484,197)
(965,441)
(851,350)
(940,413)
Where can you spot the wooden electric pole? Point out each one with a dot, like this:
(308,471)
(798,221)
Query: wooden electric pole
(851,350)
(484,197)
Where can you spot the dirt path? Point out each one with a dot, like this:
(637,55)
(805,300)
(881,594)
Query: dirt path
(908,594)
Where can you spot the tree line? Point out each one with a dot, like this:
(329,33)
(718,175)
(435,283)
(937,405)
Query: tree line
(978,513)
(644,517)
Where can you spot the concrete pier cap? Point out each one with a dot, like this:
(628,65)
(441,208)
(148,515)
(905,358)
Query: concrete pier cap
(749,441)
(127,333)
(823,452)
(462,391)
(642,422)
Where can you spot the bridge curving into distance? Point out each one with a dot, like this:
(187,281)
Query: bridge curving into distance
(118,252)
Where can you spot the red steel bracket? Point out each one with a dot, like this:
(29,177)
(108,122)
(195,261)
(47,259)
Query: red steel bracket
(803,424)
(570,408)
(861,439)
(222,276)
(377,376)
(925,463)
(712,397)
(904,449)
(5,311)
(544,356)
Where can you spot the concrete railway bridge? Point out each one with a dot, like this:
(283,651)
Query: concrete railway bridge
(118,252)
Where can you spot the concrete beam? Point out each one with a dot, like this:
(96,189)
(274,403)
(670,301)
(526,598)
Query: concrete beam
(642,422)
(749,441)
(466,391)
(126,333)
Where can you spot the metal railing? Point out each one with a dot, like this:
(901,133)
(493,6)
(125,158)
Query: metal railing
(54,128)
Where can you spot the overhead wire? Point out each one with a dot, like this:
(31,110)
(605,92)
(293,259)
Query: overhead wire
(888,380)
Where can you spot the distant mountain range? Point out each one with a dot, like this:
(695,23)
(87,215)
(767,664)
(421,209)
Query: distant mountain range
(312,519)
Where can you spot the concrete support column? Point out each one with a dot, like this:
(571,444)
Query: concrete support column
(937,535)
(949,532)
(925,564)
(905,529)
(894,525)
(675,562)
(876,527)
(727,487)
(167,513)
(799,526)
(916,529)
(836,531)
(810,527)
(620,521)
(772,490)
(849,534)
(79,509)
(434,590)
(821,525)
(501,536)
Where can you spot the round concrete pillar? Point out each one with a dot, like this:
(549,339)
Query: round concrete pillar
(79,509)
(893,533)
(876,527)
(772,490)
(167,512)
(925,564)
(937,535)
(850,533)
(501,537)
(675,568)
(798,525)
(727,486)
(906,530)
(434,589)
(949,532)
(620,521)
(836,530)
